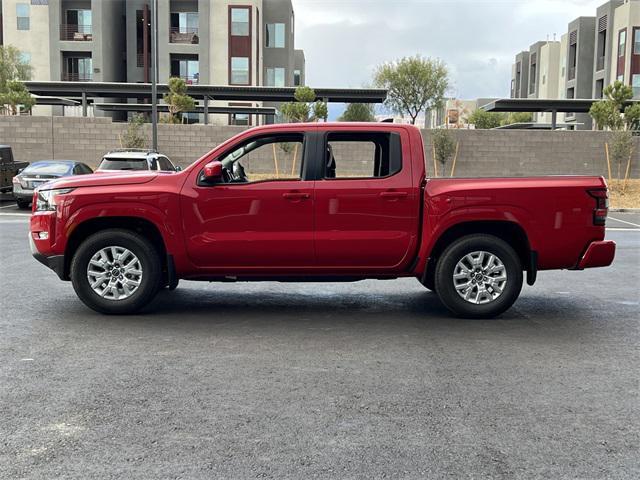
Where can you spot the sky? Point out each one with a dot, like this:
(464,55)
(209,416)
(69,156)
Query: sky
(344,40)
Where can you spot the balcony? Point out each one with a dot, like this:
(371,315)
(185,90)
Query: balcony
(184,35)
(76,77)
(189,79)
(600,64)
(76,33)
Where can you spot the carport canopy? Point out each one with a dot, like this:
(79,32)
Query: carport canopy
(541,105)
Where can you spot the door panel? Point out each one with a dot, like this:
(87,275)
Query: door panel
(368,223)
(254,225)
(261,215)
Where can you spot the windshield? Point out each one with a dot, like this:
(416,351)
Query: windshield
(48,168)
(113,163)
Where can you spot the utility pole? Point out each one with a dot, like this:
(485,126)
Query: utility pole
(154,74)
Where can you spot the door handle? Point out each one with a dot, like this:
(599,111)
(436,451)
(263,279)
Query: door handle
(295,196)
(394,195)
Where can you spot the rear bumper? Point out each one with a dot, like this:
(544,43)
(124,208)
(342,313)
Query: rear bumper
(598,254)
(54,262)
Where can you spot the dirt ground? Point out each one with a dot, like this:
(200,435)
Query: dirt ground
(629,198)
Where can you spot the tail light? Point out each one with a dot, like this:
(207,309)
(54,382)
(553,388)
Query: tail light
(602,206)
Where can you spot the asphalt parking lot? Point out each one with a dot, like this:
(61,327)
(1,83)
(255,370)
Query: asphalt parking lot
(366,380)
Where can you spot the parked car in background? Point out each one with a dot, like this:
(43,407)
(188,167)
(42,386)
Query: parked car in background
(134,159)
(326,202)
(9,168)
(39,173)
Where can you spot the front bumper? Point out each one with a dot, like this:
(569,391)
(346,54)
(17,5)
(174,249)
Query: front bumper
(54,262)
(598,254)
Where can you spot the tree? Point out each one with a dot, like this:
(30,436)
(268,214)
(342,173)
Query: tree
(306,108)
(484,120)
(611,113)
(12,66)
(443,145)
(518,117)
(133,137)
(177,99)
(414,84)
(16,94)
(358,112)
(14,69)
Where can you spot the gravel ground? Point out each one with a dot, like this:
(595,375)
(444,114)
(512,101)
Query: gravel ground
(366,380)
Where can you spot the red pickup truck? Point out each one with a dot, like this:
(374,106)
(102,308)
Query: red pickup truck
(317,202)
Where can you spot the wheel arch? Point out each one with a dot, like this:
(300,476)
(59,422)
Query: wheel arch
(90,226)
(510,232)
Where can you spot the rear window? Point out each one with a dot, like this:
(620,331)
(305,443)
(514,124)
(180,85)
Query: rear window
(48,169)
(114,163)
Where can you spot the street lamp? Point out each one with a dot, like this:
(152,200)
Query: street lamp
(154,74)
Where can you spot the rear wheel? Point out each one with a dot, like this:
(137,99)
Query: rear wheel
(23,204)
(478,276)
(116,272)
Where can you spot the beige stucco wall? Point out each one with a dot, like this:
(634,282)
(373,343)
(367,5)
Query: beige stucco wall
(34,41)
(549,75)
(219,47)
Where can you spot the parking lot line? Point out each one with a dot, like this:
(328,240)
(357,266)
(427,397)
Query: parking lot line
(15,214)
(624,221)
(8,206)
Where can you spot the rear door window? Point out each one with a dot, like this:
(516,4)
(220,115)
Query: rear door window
(115,163)
(362,155)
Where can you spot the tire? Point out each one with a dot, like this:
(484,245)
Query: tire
(22,204)
(495,295)
(131,291)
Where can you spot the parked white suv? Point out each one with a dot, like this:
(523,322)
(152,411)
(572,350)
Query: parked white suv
(136,159)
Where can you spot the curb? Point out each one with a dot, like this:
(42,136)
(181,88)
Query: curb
(625,210)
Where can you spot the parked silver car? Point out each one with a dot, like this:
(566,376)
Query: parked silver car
(38,173)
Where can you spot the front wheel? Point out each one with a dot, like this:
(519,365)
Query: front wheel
(479,276)
(116,272)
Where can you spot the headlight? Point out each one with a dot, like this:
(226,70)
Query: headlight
(46,199)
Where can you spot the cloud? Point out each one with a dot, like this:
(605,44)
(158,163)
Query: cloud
(344,40)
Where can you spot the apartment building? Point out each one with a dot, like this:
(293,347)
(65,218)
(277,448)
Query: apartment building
(604,42)
(625,60)
(520,76)
(221,42)
(595,52)
(580,67)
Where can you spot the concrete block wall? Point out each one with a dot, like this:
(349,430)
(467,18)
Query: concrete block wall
(481,152)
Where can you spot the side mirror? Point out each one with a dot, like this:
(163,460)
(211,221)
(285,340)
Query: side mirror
(178,168)
(213,171)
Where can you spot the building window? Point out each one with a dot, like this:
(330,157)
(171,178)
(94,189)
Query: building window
(635,83)
(22,15)
(636,41)
(240,22)
(239,119)
(297,78)
(275,77)
(622,43)
(239,70)
(25,57)
(275,35)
